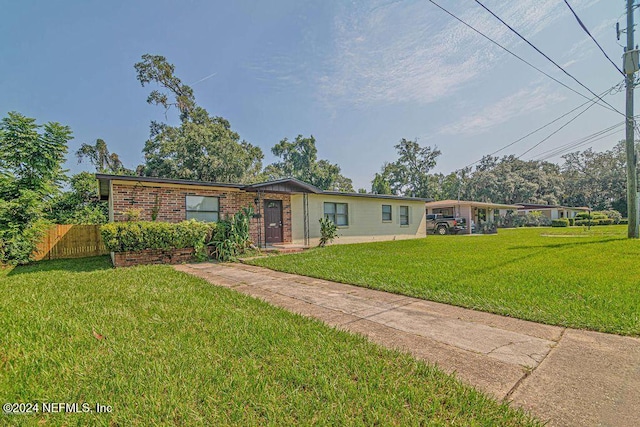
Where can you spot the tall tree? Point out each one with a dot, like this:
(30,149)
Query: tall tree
(30,173)
(445,187)
(511,180)
(299,159)
(100,157)
(33,159)
(155,68)
(409,175)
(380,183)
(202,147)
(596,179)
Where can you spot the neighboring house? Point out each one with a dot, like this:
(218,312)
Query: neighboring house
(473,212)
(551,211)
(287,210)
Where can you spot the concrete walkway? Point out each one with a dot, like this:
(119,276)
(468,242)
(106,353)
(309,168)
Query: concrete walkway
(564,376)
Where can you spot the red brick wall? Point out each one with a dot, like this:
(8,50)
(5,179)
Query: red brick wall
(152,256)
(171,204)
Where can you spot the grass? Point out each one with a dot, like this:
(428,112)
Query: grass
(574,277)
(165,348)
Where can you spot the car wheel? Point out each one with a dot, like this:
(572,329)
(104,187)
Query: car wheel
(442,230)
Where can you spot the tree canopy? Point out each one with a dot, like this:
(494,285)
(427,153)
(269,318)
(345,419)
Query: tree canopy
(100,157)
(299,159)
(409,174)
(31,158)
(202,147)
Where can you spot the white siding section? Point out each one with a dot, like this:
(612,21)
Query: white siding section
(365,219)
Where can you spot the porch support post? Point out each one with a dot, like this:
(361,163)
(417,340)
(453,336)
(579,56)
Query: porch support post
(467,213)
(305,212)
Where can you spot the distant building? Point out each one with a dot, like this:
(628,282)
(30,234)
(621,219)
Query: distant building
(551,211)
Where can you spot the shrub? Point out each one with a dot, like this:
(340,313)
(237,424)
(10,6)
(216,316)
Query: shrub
(623,221)
(231,237)
(21,227)
(141,235)
(571,221)
(328,231)
(606,221)
(536,219)
(613,215)
(518,221)
(562,222)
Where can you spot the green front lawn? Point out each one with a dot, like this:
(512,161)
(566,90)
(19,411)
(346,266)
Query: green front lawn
(562,276)
(164,348)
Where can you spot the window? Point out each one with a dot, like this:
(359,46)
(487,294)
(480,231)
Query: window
(445,212)
(337,212)
(386,212)
(404,215)
(203,208)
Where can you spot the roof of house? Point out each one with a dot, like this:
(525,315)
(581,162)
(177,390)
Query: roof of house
(285,185)
(448,203)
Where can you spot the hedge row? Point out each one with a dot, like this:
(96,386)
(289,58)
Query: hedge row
(141,235)
(564,222)
(602,221)
(594,218)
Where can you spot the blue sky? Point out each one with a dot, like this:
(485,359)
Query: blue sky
(358,75)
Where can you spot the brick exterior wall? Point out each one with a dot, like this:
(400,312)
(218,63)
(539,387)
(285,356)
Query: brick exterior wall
(152,256)
(170,203)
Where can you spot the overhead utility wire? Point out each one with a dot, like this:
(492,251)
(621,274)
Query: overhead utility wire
(592,38)
(543,54)
(593,100)
(596,136)
(609,107)
(586,142)
(557,130)
(591,140)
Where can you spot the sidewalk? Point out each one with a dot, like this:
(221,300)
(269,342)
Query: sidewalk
(566,376)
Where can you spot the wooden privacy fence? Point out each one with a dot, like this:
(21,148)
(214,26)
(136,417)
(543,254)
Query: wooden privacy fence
(71,241)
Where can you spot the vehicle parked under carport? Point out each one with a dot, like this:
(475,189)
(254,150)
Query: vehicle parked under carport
(439,224)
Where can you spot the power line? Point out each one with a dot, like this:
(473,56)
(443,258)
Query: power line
(543,54)
(557,130)
(592,38)
(596,136)
(609,107)
(611,90)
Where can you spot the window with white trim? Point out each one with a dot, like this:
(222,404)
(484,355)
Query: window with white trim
(386,213)
(203,208)
(337,212)
(404,215)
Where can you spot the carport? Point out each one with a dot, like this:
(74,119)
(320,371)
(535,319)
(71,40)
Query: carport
(474,212)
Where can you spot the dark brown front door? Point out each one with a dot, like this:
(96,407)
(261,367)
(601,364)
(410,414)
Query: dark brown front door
(273,221)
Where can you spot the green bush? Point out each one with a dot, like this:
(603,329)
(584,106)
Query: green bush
(328,231)
(613,215)
(624,221)
(141,235)
(571,221)
(21,227)
(535,219)
(606,221)
(562,222)
(231,237)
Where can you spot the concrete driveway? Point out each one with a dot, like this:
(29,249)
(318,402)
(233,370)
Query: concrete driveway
(564,376)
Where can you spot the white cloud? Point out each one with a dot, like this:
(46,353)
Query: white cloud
(392,52)
(522,102)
